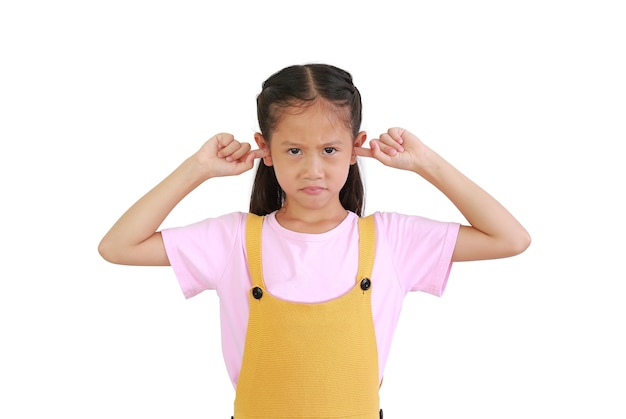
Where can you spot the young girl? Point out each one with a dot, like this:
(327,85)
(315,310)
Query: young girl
(311,290)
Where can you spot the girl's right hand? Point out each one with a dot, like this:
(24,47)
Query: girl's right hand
(134,238)
(222,155)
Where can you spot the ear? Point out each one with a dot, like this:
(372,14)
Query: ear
(263,145)
(358,142)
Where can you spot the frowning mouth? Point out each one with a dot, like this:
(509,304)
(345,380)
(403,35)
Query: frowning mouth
(312,190)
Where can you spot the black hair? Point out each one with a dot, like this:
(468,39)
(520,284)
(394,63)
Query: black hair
(301,85)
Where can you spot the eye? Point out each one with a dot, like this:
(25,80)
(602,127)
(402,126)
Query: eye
(330,150)
(294,151)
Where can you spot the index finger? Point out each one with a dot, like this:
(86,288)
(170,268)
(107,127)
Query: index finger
(255,154)
(364,152)
(259,153)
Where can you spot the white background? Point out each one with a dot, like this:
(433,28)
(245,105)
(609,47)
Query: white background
(101,100)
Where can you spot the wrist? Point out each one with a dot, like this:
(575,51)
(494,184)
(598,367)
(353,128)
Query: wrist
(194,171)
(429,164)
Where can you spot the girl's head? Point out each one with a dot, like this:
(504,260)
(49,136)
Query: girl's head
(306,108)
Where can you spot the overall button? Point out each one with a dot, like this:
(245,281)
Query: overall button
(257,293)
(365,284)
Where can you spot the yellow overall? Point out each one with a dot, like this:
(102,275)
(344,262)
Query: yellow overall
(309,360)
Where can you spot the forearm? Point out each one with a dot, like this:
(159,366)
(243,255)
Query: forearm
(494,231)
(140,222)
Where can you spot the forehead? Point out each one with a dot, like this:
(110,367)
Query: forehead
(317,120)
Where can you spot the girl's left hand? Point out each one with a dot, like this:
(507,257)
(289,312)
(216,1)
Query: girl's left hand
(397,148)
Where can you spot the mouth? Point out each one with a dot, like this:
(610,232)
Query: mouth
(312,190)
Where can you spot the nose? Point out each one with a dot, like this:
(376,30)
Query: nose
(312,167)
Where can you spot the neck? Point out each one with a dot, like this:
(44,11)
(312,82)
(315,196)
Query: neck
(310,221)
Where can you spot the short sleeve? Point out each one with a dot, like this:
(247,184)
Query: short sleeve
(421,250)
(199,253)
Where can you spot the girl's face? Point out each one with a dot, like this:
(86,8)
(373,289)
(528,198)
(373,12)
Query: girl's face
(311,152)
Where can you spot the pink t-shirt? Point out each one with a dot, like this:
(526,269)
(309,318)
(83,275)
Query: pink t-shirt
(412,254)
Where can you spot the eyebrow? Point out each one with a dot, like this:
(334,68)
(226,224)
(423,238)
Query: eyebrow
(333,143)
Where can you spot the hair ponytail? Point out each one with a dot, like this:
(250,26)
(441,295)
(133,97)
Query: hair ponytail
(267,195)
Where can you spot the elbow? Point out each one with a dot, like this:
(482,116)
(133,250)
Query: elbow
(107,251)
(520,243)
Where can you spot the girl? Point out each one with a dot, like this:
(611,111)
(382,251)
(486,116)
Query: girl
(310,290)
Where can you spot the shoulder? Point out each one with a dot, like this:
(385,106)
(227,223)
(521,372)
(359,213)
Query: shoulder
(227,224)
(388,219)
(396,217)
(393,224)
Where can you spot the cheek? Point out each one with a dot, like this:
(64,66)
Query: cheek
(285,173)
(340,170)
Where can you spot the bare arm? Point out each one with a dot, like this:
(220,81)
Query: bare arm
(493,232)
(134,239)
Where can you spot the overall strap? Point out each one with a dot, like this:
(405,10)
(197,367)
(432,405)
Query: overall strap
(367,247)
(254,224)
